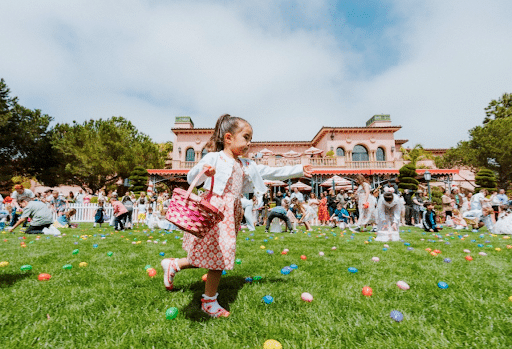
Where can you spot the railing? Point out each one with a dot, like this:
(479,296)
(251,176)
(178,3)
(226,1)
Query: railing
(315,162)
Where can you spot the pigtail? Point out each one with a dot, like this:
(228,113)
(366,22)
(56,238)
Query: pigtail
(225,123)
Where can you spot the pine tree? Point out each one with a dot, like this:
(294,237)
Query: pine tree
(485,178)
(139,179)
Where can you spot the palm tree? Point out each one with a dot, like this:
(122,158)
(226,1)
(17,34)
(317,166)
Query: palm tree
(415,154)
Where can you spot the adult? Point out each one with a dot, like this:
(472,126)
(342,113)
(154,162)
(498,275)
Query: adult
(409,206)
(340,198)
(120,212)
(388,216)
(247,206)
(128,203)
(79,197)
(40,216)
(313,202)
(280,213)
(365,202)
(297,194)
(278,198)
(19,193)
(417,207)
(331,202)
(323,213)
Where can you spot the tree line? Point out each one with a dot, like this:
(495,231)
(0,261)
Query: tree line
(92,154)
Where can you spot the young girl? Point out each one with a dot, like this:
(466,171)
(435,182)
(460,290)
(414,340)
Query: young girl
(99,217)
(366,203)
(233,176)
(323,213)
(142,203)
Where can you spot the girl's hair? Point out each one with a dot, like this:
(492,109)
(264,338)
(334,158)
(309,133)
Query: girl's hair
(225,124)
(360,178)
(70,213)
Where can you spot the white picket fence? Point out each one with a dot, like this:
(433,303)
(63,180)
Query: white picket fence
(86,212)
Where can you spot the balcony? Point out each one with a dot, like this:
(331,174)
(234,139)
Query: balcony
(336,162)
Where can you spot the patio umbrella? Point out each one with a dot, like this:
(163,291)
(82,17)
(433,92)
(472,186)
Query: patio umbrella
(336,181)
(313,150)
(274,183)
(301,186)
(266,151)
(291,154)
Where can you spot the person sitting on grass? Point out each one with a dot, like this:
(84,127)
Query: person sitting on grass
(429,218)
(63,221)
(340,217)
(40,215)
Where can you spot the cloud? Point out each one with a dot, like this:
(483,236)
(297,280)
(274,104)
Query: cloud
(282,65)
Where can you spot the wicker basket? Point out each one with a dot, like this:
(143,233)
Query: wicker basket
(191,212)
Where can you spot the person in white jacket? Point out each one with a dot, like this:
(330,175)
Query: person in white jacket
(227,176)
(389,210)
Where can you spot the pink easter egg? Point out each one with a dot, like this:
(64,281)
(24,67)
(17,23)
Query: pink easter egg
(333,248)
(386,246)
(306,297)
(321,254)
(467,251)
(403,285)
(482,253)
(375,259)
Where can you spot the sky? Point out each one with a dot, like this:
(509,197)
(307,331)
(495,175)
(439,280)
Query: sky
(288,67)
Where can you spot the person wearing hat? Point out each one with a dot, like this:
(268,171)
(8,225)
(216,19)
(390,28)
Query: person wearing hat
(40,215)
(19,194)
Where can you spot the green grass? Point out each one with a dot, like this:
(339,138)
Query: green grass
(112,303)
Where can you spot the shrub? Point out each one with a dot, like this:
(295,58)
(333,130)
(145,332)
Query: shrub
(485,178)
(407,178)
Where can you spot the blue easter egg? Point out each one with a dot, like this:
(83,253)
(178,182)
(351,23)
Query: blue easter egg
(268,299)
(286,270)
(410,248)
(270,252)
(396,315)
(384,249)
(95,245)
(447,260)
(473,240)
(265,240)
(224,272)
(162,254)
(442,285)
(247,239)
(352,270)
(294,266)
(248,279)
(480,245)
(407,244)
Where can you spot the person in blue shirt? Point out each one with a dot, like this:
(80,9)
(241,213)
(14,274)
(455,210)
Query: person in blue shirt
(340,216)
(429,218)
(278,212)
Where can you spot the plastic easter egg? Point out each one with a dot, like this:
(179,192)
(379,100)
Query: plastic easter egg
(44,277)
(468,258)
(386,246)
(262,247)
(248,279)
(367,291)
(428,249)
(95,245)
(204,277)
(110,254)
(238,261)
(76,251)
(510,298)
(162,254)
(366,242)
(384,249)
(171,313)
(284,252)
(402,285)
(437,251)
(509,246)
(482,253)
(270,252)
(396,315)
(83,264)
(407,244)
(294,266)
(333,248)
(306,297)
(67,266)
(352,270)
(286,270)
(467,251)
(257,278)
(442,285)
(303,257)
(321,254)
(272,344)
(4,264)
(498,249)
(410,248)
(151,272)
(147,267)
(268,299)
(375,259)
(447,260)
(224,272)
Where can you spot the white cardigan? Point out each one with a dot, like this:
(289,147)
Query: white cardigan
(254,174)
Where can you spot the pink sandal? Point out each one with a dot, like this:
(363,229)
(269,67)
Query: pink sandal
(170,267)
(211,307)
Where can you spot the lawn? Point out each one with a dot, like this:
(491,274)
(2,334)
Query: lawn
(113,303)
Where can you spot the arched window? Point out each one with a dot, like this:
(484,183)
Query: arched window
(340,151)
(190,155)
(360,153)
(204,152)
(381,154)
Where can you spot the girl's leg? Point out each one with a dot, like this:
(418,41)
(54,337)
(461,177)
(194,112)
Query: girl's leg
(209,302)
(171,266)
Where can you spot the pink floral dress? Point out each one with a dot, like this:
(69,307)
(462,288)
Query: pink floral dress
(216,250)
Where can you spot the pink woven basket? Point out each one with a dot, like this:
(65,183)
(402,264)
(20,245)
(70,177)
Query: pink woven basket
(191,212)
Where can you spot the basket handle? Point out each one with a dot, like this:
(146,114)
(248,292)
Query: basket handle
(194,182)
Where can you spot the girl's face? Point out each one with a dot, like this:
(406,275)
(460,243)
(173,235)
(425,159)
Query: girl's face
(238,144)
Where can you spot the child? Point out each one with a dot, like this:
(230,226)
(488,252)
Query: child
(64,220)
(142,204)
(429,218)
(99,216)
(340,216)
(233,176)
